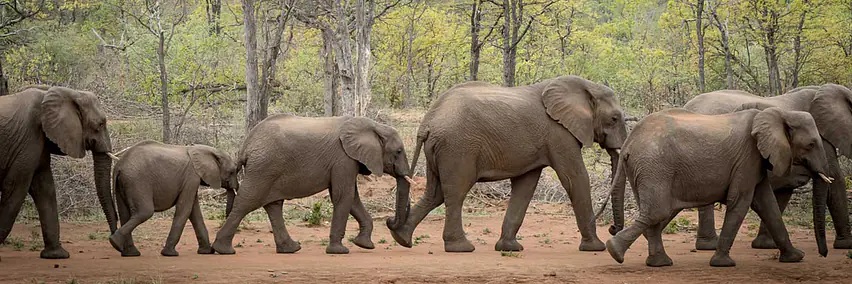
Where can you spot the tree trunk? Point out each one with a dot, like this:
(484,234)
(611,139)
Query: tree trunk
(4,83)
(798,56)
(330,76)
(164,88)
(699,32)
(343,56)
(409,78)
(729,70)
(214,12)
(270,61)
(475,47)
(254,104)
(364,26)
(510,17)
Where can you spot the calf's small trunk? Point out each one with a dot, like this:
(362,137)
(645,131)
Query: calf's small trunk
(402,203)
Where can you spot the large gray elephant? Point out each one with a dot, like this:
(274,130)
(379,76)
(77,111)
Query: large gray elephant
(153,177)
(677,159)
(831,107)
(35,123)
(478,132)
(287,157)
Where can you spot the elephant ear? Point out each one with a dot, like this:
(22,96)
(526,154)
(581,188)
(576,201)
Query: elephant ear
(206,164)
(61,121)
(360,142)
(832,112)
(568,100)
(770,131)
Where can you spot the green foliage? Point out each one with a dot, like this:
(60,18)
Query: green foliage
(510,254)
(316,215)
(679,224)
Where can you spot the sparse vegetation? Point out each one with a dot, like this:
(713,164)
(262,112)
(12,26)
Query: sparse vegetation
(510,254)
(678,224)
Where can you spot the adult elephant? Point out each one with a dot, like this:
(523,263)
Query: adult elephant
(478,132)
(287,157)
(830,106)
(35,123)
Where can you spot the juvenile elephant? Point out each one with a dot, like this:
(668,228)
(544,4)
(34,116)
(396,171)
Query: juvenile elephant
(287,157)
(35,123)
(677,159)
(478,132)
(153,177)
(831,107)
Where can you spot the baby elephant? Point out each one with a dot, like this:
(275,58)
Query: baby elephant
(677,159)
(152,177)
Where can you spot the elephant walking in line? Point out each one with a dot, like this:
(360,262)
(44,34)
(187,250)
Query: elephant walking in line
(478,132)
(153,177)
(831,107)
(287,157)
(677,159)
(35,123)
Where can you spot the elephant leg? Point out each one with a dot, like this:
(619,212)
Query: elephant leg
(765,205)
(365,223)
(124,215)
(342,193)
(250,198)
(121,240)
(764,240)
(572,174)
(657,256)
(618,244)
(283,242)
(15,187)
(456,183)
(197,220)
(837,202)
(523,188)
(44,196)
(707,238)
(183,209)
(735,212)
(433,198)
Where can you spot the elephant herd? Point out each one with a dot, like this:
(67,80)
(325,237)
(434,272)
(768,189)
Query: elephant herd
(726,146)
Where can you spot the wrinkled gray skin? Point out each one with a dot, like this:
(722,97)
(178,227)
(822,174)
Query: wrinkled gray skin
(676,159)
(35,123)
(287,157)
(153,177)
(478,132)
(831,107)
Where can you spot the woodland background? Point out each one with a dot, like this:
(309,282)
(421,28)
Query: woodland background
(204,71)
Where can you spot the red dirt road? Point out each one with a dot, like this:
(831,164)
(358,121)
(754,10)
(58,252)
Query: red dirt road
(551,256)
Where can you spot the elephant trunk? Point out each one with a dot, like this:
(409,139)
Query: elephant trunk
(402,204)
(102,168)
(613,159)
(619,181)
(230,203)
(819,200)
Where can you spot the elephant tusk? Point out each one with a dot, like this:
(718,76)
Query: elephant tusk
(410,180)
(368,178)
(121,152)
(112,156)
(825,178)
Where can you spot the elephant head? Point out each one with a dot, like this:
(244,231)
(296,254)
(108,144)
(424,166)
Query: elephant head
(832,112)
(73,121)
(589,111)
(379,149)
(786,138)
(216,170)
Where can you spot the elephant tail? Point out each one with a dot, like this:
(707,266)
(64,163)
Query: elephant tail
(421,137)
(616,193)
(119,200)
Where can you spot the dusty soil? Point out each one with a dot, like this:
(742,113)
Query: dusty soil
(549,235)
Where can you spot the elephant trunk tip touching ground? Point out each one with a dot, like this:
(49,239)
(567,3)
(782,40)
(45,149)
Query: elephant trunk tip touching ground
(403,189)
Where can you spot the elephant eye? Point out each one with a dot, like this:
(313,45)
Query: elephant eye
(811,145)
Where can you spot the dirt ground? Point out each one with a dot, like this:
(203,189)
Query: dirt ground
(550,238)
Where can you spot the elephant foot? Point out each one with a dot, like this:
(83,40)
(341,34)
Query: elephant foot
(223,247)
(791,255)
(763,241)
(402,236)
(706,243)
(616,249)
(722,260)
(658,260)
(115,240)
(594,244)
(462,245)
(364,242)
(508,245)
(843,243)
(336,249)
(55,253)
(289,246)
(613,229)
(205,250)
(169,252)
(131,251)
